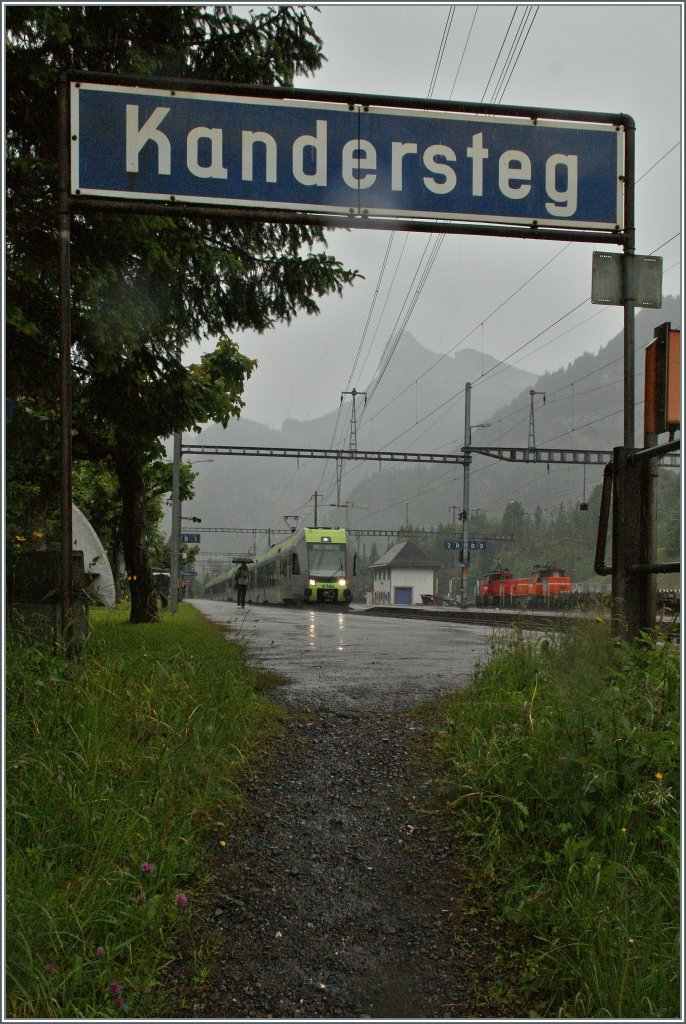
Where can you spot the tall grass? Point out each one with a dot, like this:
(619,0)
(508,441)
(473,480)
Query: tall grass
(115,762)
(561,774)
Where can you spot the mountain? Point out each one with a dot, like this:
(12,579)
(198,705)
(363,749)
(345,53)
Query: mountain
(582,409)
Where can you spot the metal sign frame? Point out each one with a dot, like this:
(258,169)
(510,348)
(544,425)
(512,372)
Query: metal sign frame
(539,118)
(196,146)
(622,234)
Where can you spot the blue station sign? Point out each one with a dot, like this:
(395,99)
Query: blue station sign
(133,142)
(190,538)
(456,545)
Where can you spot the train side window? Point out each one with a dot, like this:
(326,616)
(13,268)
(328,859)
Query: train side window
(283,566)
(295,564)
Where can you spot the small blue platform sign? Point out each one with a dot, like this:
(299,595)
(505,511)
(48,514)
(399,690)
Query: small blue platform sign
(190,538)
(456,545)
(136,142)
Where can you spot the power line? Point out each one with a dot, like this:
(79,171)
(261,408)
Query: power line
(441,51)
(496,98)
(464,50)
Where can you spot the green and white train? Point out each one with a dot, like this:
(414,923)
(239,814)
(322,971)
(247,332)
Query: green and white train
(313,566)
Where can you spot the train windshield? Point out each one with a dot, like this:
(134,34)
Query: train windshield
(326,559)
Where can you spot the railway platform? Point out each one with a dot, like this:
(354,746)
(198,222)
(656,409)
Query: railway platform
(496,617)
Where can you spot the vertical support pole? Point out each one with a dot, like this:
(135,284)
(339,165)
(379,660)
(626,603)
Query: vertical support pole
(339,474)
(630,605)
(465,494)
(619,557)
(452,588)
(315,509)
(628,284)
(64,291)
(649,532)
(629,504)
(175,542)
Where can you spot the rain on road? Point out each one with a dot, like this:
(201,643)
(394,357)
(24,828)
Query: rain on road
(347,659)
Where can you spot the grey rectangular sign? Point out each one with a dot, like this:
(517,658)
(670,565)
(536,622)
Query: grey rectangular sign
(607,287)
(137,142)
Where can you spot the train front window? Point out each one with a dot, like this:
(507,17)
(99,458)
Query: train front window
(326,559)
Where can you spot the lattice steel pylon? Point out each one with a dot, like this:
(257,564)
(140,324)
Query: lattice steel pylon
(353,416)
(532,429)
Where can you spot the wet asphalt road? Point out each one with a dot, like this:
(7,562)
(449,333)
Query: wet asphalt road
(347,660)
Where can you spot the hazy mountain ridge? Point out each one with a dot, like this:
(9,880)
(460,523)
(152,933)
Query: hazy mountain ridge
(258,492)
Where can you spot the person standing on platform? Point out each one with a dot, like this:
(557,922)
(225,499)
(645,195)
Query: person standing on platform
(241,584)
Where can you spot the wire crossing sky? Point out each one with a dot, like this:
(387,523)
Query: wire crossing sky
(492,295)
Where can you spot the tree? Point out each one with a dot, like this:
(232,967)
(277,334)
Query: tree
(96,492)
(144,287)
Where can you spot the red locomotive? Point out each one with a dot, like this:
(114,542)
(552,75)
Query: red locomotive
(546,586)
(493,588)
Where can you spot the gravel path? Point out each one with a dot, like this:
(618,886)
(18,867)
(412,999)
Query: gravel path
(337,894)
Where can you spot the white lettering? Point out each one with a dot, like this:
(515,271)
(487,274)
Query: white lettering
(249,140)
(137,137)
(477,154)
(354,164)
(431,156)
(318,144)
(216,168)
(514,166)
(565,202)
(398,151)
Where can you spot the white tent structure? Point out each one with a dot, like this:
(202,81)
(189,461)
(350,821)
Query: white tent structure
(95,560)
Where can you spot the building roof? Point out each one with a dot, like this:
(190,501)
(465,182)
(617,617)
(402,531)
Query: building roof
(405,555)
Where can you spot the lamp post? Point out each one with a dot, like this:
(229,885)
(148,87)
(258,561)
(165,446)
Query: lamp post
(464,514)
(175,542)
(175,526)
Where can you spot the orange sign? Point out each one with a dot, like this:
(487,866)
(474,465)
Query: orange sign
(673,401)
(662,409)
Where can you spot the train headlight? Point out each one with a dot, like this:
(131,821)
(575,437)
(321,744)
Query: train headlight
(341,583)
(312,583)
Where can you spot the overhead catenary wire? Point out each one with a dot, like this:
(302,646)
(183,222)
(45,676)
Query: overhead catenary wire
(437,245)
(507,359)
(528,14)
(441,51)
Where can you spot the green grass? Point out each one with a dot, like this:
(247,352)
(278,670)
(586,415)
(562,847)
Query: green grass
(118,759)
(560,774)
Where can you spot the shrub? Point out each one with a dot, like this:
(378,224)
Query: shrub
(115,762)
(561,772)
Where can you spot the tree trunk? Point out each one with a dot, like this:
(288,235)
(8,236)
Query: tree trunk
(138,570)
(116,573)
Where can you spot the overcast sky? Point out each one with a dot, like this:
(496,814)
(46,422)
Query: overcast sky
(613,58)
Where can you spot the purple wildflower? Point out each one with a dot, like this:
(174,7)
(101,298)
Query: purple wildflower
(100,951)
(51,968)
(114,988)
(181,899)
(118,1002)
(146,867)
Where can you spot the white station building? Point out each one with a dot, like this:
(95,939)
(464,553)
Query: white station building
(402,575)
